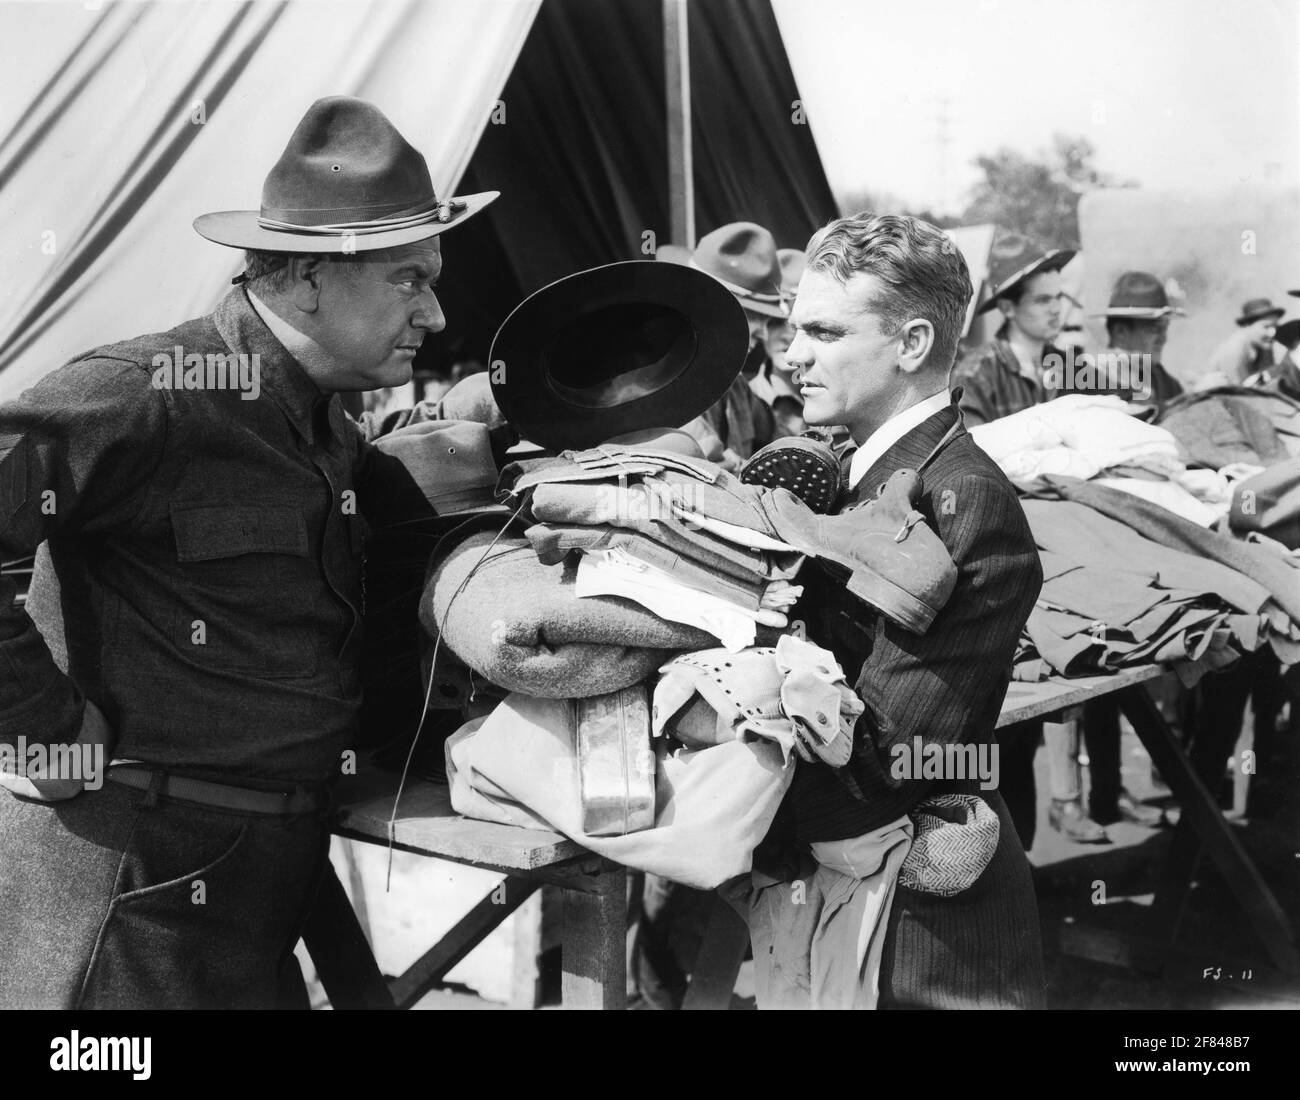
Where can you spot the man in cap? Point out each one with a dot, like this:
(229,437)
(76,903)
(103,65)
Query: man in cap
(743,257)
(1137,324)
(877,323)
(1248,350)
(1007,374)
(199,492)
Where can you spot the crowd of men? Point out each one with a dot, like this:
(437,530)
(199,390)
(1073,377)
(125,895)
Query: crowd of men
(1011,372)
(195,624)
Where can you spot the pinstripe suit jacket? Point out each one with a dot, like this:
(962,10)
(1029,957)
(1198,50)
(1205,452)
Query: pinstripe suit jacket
(983,946)
(947,685)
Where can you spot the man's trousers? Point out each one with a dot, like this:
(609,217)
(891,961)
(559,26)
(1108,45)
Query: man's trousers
(119,899)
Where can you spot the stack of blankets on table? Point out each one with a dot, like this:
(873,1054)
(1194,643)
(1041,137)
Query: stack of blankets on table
(624,556)
(600,607)
(1094,438)
(1128,582)
(1135,528)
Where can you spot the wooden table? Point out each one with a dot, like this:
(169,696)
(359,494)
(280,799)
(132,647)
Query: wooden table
(594,890)
(1202,829)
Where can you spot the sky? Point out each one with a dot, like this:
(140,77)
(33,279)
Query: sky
(1198,95)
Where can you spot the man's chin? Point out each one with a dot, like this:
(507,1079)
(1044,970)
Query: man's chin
(396,372)
(815,417)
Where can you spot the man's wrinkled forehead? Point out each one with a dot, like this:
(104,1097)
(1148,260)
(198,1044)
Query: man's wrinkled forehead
(424,258)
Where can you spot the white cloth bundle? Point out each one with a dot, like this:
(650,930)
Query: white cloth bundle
(518,766)
(1079,436)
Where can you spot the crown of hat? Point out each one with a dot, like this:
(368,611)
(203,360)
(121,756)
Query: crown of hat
(792,261)
(346,162)
(1138,290)
(742,254)
(1256,309)
(1012,252)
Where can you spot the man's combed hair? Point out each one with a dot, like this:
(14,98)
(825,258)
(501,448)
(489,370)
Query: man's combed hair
(923,271)
(269,271)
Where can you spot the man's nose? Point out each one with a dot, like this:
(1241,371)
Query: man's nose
(428,315)
(798,356)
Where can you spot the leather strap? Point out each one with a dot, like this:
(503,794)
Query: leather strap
(219,795)
(957,426)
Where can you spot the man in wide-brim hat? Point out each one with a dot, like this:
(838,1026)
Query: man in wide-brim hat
(743,257)
(200,492)
(774,384)
(1284,375)
(1247,351)
(1007,374)
(1137,324)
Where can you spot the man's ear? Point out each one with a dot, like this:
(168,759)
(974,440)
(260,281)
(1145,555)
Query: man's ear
(305,274)
(1006,307)
(914,344)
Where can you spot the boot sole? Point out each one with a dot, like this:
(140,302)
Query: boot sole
(895,603)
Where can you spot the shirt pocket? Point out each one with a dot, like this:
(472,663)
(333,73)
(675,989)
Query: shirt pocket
(250,590)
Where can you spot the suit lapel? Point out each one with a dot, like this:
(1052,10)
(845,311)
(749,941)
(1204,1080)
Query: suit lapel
(907,453)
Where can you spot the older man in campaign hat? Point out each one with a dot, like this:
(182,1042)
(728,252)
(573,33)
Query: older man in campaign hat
(206,538)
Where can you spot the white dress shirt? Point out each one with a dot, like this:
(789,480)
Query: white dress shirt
(891,431)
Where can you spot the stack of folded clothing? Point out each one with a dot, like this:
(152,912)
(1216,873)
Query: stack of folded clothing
(646,525)
(1093,437)
(1127,583)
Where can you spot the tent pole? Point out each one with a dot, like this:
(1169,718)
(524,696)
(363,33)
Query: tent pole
(677,85)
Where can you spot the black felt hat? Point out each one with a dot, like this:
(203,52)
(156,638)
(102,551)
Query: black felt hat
(617,349)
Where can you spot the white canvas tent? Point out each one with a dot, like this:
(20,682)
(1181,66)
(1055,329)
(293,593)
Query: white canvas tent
(138,117)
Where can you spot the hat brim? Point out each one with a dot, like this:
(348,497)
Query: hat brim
(532,403)
(1252,318)
(1052,261)
(763,309)
(241,229)
(1141,313)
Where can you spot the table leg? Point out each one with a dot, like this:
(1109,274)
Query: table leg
(718,961)
(1201,813)
(593,952)
(340,952)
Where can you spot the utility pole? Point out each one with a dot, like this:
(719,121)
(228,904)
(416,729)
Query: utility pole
(677,88)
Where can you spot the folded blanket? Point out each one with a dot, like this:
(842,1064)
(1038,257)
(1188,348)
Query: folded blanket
(520,624)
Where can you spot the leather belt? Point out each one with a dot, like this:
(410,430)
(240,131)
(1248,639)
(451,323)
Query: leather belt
(220,795)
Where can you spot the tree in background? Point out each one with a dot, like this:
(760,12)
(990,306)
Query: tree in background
(1038,197)
(1034,195)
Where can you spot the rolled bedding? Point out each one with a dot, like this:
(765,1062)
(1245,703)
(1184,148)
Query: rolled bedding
(518,623)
